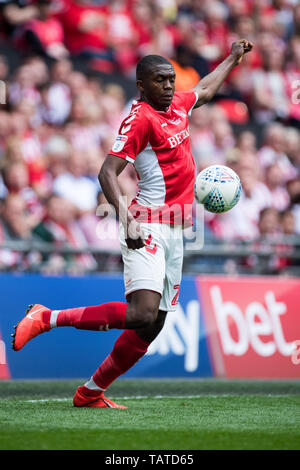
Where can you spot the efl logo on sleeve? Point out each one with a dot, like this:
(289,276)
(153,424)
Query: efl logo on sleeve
(119,143)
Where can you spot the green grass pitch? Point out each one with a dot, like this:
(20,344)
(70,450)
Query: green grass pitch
(162,414)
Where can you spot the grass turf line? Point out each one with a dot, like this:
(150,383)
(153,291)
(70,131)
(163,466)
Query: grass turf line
(210,421)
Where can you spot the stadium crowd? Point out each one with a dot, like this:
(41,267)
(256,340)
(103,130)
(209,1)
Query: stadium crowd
(57,123)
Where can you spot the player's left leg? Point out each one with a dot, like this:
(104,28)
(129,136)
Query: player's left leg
(131,346)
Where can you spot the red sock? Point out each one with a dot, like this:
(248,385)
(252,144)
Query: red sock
(99,317)
(128,349)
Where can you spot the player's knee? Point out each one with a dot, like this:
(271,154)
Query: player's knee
(160,320)
(141,317)
(146,317)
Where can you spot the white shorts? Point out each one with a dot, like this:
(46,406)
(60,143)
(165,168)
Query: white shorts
(158,265)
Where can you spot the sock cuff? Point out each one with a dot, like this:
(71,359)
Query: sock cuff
(133,338)
(53,318)
(91,385)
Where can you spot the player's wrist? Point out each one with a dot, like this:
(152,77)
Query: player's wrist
(234,58)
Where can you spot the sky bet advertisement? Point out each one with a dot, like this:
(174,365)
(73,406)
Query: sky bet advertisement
(242,327)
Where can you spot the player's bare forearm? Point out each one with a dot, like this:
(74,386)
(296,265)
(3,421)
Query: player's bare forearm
(209,85)
(108,178)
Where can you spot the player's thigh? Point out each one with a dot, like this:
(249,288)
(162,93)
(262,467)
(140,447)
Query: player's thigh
(144,268)
(144,301)
(173,275)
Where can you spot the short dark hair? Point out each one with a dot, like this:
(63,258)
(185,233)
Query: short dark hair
(145,65)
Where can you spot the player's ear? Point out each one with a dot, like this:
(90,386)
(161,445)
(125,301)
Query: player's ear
(140,86)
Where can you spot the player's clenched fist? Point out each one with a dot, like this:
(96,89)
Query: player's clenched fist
(239,48)
(135,236)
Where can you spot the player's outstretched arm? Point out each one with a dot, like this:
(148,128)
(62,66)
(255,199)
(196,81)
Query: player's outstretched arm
(108,178)
(209,85)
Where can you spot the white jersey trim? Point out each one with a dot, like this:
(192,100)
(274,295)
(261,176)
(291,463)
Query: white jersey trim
(152,188)
(197,97)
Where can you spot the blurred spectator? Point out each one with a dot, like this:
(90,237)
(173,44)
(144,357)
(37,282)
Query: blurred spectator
(15,177)
(77,82)
(75,186)
(270,99)
(270,241)
(274,178)
(186,75)
(44,33)
(23,85)
(202,140)
(122,35)
(61,228)
(273,150)
(268,223)
(112,103)
(15,225)
(15,13)
(101,230)
(5,129)
(292,147)
(4,68)
(223,138)
(28,144)
(85,27)
(288,229)
(293,84)
(212,136)
(295,26)
(246,141)
(215,15)
(57,151)
(293,188)
(86,127)
(287,222)
(55,94)
(155,34)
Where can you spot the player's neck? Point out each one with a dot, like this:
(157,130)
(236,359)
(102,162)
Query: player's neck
(157,107)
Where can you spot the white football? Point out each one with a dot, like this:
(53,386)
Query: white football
(218,188)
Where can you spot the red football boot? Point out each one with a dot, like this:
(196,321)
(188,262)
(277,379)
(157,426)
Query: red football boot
(94,399)
(30,326)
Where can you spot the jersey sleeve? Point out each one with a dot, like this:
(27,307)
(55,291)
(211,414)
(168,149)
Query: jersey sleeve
(132,138)
(187,100)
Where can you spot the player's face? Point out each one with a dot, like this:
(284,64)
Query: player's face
(158,88)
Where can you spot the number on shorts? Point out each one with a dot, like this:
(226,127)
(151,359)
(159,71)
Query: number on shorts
(148,248)
(175,298)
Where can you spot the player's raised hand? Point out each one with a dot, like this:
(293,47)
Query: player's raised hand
(239,48)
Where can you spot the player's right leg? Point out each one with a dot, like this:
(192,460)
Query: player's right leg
(110,315)
(40,319)
(33,324)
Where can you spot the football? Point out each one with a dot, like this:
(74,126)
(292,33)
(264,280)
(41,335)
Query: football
(218,188)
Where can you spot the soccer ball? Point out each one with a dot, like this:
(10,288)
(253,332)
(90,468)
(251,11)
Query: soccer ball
(218,188)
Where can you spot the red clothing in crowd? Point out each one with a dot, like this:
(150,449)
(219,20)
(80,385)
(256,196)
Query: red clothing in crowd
(48,31)
(77,40)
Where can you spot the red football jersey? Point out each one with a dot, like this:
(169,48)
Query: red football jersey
(157,143)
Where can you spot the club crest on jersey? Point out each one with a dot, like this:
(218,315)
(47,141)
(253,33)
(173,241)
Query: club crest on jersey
(119,143)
